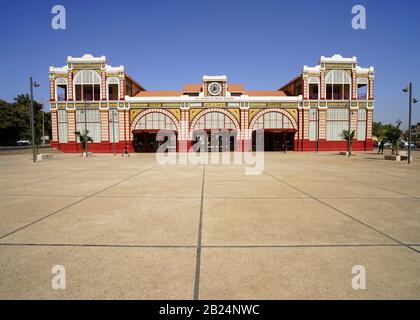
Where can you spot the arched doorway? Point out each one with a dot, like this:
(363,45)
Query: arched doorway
(87,86)
(145,129)
(215,130)
(279,130)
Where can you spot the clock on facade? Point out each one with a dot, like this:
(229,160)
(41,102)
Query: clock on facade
(215,88)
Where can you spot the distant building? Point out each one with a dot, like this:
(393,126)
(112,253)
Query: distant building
(415,132)
(308,113)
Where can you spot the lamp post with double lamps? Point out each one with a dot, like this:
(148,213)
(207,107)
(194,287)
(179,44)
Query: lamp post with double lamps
(411,100)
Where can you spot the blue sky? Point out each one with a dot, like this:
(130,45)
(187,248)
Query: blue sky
(261,44)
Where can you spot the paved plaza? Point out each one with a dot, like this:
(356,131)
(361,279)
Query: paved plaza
(129,228)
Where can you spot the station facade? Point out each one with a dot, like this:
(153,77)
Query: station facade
(308,113)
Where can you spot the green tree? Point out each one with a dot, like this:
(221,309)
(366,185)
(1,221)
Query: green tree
(47,124)
(376,127)
(379,130)
(15,120)
(349,137)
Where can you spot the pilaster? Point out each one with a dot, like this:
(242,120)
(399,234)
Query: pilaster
(322,84)
(353,120)
(103,85)
(70,94)
(369,118)
(305,87)
(122,87)
(54,126)
(322,123)
(104,125)
(121,124)
(371,87)
(71,125)
(353,85)
(184,127)
(128,134)
(52,89)
(245,134)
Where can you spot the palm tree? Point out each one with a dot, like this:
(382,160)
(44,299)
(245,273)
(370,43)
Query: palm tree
(393,134)
(348,136)
(83,138)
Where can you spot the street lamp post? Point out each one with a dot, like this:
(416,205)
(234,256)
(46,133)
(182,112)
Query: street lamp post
(113,130)
(43,122)
(409,89)
(349,129)
(32,84)
(86,129)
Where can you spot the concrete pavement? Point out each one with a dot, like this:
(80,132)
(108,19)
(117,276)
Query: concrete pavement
(128,228)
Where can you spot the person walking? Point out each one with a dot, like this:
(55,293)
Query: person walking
(125,151)
(284,146)
(381,147)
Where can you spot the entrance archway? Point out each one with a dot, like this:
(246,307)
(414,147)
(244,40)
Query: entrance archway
(220,128)
(146,126)
(279,130)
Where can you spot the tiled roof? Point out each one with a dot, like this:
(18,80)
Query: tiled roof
(235,87)
(159,93)
(263,93)
(291,81)
(192,87)
(134,81)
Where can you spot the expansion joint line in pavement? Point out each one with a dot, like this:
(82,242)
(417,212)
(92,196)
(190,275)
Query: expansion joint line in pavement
(355,181)
(76,202)
(279,246)
(199,237)
(49,178)
(342,212)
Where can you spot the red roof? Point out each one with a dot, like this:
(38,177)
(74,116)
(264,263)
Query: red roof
(192,87)
(135,82)
(262,93)
(196,88)
(159,93)
(235,88)
(291,81)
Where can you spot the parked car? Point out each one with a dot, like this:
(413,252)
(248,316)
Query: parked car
(405,145)
(23,142)
(388,145)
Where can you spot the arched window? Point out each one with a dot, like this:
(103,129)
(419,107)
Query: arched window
(112,88)
(214,120)
(87,85)
(362,88)
(313,83)
(61,89)
(338,85)
(155,121)
(273,120)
